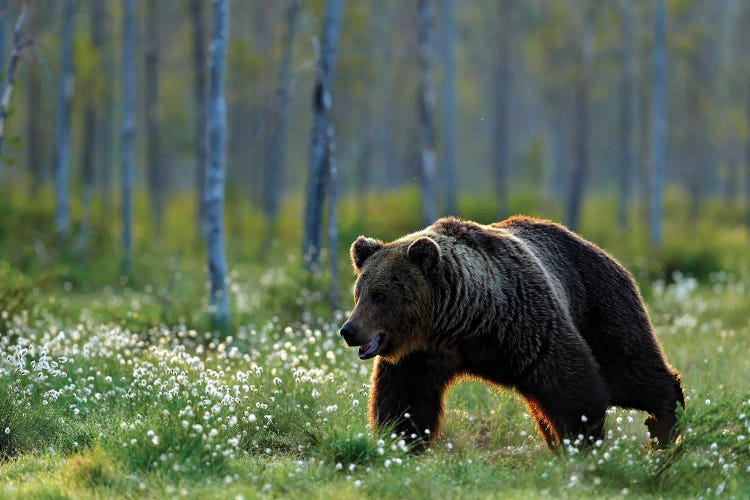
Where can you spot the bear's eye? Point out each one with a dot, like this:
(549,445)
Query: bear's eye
(378,297)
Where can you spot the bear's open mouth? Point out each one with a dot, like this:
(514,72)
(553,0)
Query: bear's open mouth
(369,350)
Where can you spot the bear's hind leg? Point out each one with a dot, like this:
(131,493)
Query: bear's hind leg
(657,391)
(568,400)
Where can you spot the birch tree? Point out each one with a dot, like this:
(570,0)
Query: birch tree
(214,184)
(128,130)
(659,125)
(64,103)
(153,164)
(319,172)
(199,102)
(426,104)
(275,164)
(10,75)
(450,112)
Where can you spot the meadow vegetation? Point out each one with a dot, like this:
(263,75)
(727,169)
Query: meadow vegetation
(114,386)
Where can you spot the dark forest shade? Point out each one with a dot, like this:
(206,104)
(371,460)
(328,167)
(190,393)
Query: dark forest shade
(128,131)
(628,110)
(450,189)
(154,166)
(199,102)
(579,172)
(659,142)
(501,112)
(426,106)
(274,177)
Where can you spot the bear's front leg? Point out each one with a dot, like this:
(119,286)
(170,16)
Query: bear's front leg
(408,395)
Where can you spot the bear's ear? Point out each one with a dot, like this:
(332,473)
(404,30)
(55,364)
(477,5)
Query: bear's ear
(362,249)
(425,253)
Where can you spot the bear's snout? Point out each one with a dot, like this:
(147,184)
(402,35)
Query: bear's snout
(348,332)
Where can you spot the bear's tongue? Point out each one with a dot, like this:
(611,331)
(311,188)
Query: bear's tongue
(368,350)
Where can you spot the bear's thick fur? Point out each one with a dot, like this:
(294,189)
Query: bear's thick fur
(522,303)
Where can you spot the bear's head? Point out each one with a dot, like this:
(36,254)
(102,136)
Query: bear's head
(393,297)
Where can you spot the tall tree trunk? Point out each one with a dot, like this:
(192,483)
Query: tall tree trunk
(128,130)
(153,161)
(450,113)
(65,101)
(11,73)
(659,131)
(199,100)
(628,110)
(425,28)
(96,28)
(215,168)
(275,165)
(502,110)
(581,165)
(322,102)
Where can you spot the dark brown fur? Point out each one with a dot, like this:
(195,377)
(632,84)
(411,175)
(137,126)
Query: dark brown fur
(523,303)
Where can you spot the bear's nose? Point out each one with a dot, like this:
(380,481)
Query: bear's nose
(347,331)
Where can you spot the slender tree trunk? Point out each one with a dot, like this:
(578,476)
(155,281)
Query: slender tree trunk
(90,127)
(65,101)
(322,102)
(449,82)
(659,130)
(581,165)
(275,166)
(425,20)
(128,130)
(153,160)
(199,99)
(502,110)
(11,77)
(628,110)
(215,168)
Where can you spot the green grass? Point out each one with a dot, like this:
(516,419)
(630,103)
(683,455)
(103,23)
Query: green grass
(112,387)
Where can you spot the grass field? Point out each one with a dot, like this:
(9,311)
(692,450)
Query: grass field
(111,387)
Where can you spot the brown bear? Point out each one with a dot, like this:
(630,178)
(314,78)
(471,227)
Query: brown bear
(523,303)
